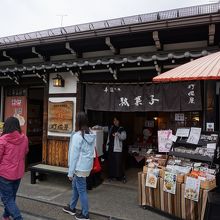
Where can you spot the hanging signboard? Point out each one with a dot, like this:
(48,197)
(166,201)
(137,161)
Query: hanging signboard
(17,106)
(60,116)
(154,97)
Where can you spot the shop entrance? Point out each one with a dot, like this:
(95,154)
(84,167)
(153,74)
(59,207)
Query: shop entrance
(35,100)
(141,129)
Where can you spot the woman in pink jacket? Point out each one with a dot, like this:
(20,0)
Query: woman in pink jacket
(13,148)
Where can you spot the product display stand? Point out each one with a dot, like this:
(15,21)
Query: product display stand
(205,152)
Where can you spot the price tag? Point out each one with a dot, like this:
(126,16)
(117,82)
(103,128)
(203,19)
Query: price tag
(149,151)
(211,146)
(197,164)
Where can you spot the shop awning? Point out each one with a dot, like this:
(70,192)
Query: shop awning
(204,68)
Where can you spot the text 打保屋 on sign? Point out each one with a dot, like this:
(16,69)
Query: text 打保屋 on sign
(60,116)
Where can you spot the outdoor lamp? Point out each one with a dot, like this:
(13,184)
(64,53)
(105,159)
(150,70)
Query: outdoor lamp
(58,81)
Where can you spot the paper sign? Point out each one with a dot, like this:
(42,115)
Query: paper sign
(197,164)
(149,151)
(211,146)
(152,177)
(209,126)
(194,135)
(164,143)
(173,138)
(179,117)
(182,132)
(192,189)
(169,183)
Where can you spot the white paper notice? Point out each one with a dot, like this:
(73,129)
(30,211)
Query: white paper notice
(182,132)
(194,135)
(173,138)
(211,146)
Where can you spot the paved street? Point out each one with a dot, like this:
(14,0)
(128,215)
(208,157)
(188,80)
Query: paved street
(112,200)
(45,199)
(38,210)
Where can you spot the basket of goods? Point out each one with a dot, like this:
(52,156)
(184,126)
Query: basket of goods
(158,159)
(207,180)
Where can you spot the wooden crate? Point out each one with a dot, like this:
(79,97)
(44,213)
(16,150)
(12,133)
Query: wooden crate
(208,184)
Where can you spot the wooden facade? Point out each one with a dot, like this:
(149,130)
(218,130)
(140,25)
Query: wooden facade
(132,52)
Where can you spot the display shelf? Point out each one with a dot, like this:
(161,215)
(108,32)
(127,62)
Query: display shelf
(191,156)
(205,138)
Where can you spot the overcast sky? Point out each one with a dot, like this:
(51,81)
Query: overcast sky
(22,16)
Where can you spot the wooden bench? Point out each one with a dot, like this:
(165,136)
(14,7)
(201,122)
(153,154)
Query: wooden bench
(38,169)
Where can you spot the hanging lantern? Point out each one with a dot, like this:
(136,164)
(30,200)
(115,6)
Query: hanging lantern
(58,81)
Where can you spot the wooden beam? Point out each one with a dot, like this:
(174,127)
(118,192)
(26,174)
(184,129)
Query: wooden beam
(71,50)
(4,54)
(33,49)
(211,34)
(156,40)
(111,46)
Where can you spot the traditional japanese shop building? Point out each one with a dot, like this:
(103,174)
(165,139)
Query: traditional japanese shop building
(48,76)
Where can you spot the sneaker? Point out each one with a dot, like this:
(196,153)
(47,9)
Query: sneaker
(68,210)
(81,217)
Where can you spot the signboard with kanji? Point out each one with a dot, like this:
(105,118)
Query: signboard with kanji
(167,97)
(60,116)
(17,106)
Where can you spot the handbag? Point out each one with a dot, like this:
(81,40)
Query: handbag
(96,164)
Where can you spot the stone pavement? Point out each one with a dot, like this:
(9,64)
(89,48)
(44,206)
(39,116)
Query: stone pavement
(107,201)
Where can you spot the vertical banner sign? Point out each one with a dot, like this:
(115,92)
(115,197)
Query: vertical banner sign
(153,97)
(17,106)
(190,96)
(60,116)
(171,97)
(98,97)
(128,97)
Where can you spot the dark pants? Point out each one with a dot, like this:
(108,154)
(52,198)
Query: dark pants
(8,191)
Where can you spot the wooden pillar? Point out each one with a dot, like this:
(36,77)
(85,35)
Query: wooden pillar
(45,125)
(79,100)
(210,102)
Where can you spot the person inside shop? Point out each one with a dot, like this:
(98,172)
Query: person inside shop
(114,146)
(80,162)
(13,149)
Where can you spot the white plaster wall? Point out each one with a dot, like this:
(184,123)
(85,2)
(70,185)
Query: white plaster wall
(63,99)
(70,83)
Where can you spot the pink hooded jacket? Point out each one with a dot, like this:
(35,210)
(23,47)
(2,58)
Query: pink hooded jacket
(13,148)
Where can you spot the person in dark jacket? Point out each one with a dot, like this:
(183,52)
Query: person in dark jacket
(114,146)
(13,149)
